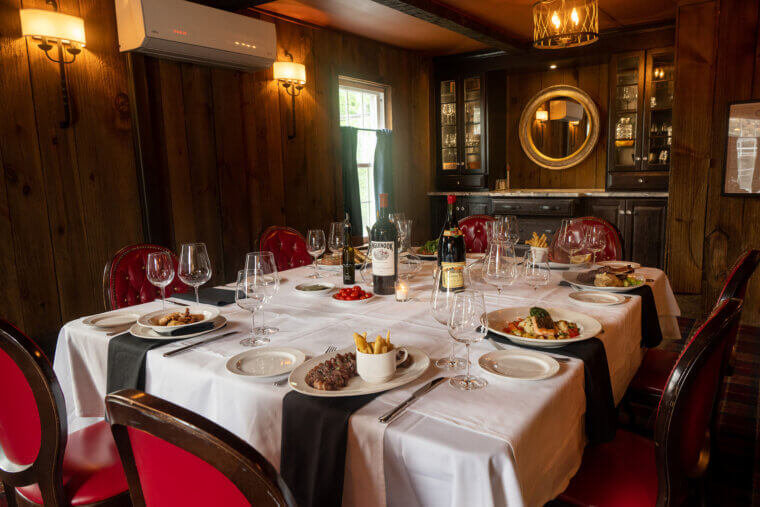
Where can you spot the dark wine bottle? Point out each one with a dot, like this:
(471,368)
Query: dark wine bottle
(349,263)
(451,251)
(384,244)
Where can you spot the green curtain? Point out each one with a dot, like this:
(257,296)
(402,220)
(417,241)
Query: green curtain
(384,166)
(352,203)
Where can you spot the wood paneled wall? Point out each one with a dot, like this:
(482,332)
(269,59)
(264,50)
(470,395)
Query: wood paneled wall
(593,79)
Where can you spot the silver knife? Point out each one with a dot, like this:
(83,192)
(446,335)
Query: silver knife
(390,415)
(208,340)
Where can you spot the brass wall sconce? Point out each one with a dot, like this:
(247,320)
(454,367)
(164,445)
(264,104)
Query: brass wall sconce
(49,28)
(292,76)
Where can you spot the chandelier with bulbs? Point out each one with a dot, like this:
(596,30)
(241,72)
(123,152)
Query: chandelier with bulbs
(561,24)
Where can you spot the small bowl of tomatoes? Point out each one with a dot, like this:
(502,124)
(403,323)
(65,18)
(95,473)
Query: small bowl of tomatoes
(353,294)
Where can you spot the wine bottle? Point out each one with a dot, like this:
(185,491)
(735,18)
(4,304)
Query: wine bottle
(349,263)
(384,246)
(451,251)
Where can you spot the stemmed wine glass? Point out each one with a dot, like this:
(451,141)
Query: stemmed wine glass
(468,323)
(315,245)
(264,263)
(536,272)
(596,239)
(251,294)
(395,217)
(505,228)
(404,228)
(499,266)
(441,302)
(572,238)
(194,266)
(159,269)
(335,241)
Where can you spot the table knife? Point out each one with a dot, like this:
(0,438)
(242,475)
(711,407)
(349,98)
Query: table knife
(390,415)
(208,340)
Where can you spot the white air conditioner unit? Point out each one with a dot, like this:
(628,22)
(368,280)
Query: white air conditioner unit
(195,33)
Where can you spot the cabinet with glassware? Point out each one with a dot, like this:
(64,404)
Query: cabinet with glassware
(641,112)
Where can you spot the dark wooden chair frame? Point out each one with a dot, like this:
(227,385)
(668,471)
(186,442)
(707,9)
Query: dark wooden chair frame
(248,470)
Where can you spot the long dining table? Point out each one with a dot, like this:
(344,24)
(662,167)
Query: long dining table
(512,443)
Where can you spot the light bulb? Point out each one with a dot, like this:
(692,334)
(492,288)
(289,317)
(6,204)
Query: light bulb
(555,20)
(574,16)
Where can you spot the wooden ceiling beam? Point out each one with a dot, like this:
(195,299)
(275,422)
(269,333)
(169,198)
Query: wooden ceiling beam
(456,21)
(231,5)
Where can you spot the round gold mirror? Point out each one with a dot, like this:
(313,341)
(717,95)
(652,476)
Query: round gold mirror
(559,127)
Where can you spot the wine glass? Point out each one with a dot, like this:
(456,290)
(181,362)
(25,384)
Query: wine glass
(408,266)
(468,323)
(159,269)
(365,271)
(335,241)
(194,266)
(499,266)
(395,217)
(264,263)
(404,228)
(596,239)
(441,302)
(536,272)
(251,292)
(315,245)
(505,228)
(571,237)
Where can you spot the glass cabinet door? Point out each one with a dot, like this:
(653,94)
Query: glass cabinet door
(449,141)
(659,109)
(626,149)
(473,160)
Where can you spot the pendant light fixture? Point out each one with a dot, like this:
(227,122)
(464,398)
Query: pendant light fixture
(559,24)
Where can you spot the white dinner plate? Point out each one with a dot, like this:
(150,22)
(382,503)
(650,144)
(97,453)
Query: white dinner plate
(572,278)
(619,264)
(267,363)
(108,320)
(593,298)
(148,333)
(328,287)
(587,326)
(356,386)
(150,320)
(518,364)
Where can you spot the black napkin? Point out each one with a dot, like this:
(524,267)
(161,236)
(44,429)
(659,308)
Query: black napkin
(651,334)
(314,433)
(125,368)
(210,296)
(601,415)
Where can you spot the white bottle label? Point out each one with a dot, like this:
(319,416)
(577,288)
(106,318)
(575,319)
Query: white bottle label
(383,261)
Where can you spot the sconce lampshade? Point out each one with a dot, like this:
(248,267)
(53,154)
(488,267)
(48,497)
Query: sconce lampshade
(53,25)
(290,72)
(542,115)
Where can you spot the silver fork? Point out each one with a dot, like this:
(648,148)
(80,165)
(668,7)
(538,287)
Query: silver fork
(328,350)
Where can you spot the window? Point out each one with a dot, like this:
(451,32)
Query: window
(364,105)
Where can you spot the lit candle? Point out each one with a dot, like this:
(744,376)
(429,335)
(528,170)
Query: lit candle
(402,291)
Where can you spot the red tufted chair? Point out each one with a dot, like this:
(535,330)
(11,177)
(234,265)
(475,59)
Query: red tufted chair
(125,282)
(287,245)
(175,457)
(475,232)
(612,251)
(636,471)
(41,461)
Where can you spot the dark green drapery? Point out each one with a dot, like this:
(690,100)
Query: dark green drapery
(384,166)
(351,200)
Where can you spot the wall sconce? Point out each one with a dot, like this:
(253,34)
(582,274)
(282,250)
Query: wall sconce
(542,115)
(292,76)
(52,27)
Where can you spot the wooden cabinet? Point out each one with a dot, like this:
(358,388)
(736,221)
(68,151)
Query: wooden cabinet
(539,215)
(464,207)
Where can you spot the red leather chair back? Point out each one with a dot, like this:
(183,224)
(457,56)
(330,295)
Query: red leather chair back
(737,280)
(687,405)
(474,228)
(125,282)
(613,250)
(287,245)
(168,451)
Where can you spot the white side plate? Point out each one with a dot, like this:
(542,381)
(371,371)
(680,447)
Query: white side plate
(266,364)
(518,364)
(111,319)
(589,297)
(587,325)
(146,332)
(328,287)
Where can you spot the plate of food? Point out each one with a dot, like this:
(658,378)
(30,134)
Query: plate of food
(428,251)
(594,298)
(335,375)
(110,320)
(145,332)
(518,364)
(620,264)
(314,288)
(352,295)
(266,364)
(166,321)
(543,327)
(605,278)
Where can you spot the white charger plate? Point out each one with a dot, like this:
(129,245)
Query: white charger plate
(149,319)
(619,264)
(356,386)
(587,326)
(312,293)
(266,364)
(148,333)
(572,278)
(593,298)
(518,365)
(109,320)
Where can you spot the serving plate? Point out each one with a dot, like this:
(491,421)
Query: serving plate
(587,326)
(518,365)
(299,289)
(353,302)
(266,364)
(110,320)
(145,332)
(572,278)
(594,298)
(150,320)
(356,386)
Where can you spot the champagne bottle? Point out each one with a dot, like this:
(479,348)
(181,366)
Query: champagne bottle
(349,264)
(384,246)
(451,251)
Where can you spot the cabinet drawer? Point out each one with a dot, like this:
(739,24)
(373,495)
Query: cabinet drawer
(638,181)
(540,226)
(551,207)
(463,181)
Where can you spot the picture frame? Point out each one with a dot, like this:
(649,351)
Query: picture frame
(741,158)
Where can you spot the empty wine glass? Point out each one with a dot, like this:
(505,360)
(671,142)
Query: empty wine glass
(596,239)
(335,241)
(408,266)
(468,323)
(572,238)
(251,292)
(264,263)
(441,302)
(536,272)
(505,228)
(315,245)
(499,265)
(395,217)
(404,227)
(194,266)
(159,268)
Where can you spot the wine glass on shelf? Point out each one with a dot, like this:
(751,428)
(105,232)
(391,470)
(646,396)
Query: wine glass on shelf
(335,241)
(571,237)
(159,268)
(441,302)
(596,239)
(468,324)
(251,294)
(194,266)
(536,272)
(263,263)
(499,266)
(315,245)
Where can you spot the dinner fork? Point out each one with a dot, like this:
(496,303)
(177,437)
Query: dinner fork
(328,350)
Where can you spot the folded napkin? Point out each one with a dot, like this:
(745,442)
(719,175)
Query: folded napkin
(210,296)
(313,451)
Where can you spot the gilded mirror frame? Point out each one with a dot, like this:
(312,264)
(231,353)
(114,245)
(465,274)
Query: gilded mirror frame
(529,114)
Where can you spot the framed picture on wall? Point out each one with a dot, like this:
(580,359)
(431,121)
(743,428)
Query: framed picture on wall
(741,165)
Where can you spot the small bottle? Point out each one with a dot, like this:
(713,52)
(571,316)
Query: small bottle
(349,264)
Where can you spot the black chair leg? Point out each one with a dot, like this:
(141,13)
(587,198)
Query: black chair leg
(10,498)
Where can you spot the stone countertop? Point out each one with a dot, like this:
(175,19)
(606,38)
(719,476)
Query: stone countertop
(549,192)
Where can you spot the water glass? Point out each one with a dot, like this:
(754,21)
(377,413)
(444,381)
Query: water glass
(572,238)
(468,323)
(536,272)
(159,268)
(194,266)
(441,302)
(254,289)
(264,263)
(335,241)
(499,265)
(596,238)
(315,245)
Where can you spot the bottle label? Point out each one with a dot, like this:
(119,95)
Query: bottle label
(454,233)
(383,261)
(452,275)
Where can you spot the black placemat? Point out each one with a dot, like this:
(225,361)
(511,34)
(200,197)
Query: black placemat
(314,433)
(209,296)
(601,415)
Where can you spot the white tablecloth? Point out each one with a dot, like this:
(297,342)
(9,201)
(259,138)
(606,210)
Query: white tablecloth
(512,443)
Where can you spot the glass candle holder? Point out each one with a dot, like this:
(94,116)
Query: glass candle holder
(402,291)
